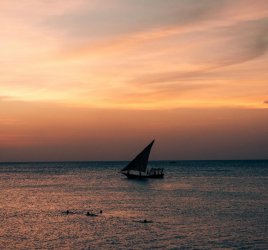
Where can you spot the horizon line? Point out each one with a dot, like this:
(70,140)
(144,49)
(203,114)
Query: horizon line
(85,161)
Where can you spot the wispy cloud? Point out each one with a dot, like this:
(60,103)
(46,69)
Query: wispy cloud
(5,98)
(119,17)
(90,52)
(177,18)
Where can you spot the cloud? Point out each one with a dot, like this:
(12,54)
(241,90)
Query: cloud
(221,48)
(242,42)
(265,102)
(159,96)
(125,17)
(121,17)
(5,98)
(170,77)
(220,44)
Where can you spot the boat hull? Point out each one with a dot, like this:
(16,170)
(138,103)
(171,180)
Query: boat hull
(152,176)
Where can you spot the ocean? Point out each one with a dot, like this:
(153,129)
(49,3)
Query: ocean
(198,205)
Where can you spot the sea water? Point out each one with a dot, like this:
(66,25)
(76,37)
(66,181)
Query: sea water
(198,205)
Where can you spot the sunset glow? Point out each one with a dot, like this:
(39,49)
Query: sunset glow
(78,75)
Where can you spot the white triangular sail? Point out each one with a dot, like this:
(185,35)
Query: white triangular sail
(139,163)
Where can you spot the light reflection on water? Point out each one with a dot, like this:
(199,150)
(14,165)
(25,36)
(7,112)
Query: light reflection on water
(197,205)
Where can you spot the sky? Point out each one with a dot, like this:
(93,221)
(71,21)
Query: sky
(98,80)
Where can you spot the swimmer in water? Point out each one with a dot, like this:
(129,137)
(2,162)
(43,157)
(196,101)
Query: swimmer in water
(89,214)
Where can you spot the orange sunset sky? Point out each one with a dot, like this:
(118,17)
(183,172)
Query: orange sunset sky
(98,80)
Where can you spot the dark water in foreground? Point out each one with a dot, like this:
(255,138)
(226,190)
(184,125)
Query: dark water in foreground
(199,204)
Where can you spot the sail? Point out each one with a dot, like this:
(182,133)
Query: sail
(139,163)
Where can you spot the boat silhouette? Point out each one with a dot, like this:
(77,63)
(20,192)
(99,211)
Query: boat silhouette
(137,168)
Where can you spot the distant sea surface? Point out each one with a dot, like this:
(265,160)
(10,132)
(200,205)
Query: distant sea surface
(198,205)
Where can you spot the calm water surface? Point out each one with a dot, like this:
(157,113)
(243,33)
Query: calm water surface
(198,205)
